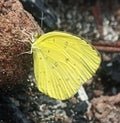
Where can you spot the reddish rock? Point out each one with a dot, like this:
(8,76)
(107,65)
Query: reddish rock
(106,109)
(16,27)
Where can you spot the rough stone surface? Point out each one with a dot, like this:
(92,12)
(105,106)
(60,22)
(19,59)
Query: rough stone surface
(16,27)
(106,109)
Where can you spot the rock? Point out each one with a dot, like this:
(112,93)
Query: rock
(16,27)
(98,93)
(81,107)
(106,109)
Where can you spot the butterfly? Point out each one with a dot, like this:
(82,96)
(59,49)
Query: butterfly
(62,63)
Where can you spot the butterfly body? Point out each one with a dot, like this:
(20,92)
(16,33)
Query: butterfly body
(62,63)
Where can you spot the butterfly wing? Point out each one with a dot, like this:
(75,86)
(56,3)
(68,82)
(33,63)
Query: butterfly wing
(62,63)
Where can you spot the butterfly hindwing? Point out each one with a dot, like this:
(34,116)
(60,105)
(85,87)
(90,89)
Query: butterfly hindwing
(62,63)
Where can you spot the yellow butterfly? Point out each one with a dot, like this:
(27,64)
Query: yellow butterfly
(62,63)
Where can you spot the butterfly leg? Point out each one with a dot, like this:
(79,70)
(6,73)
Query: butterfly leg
(28,52)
